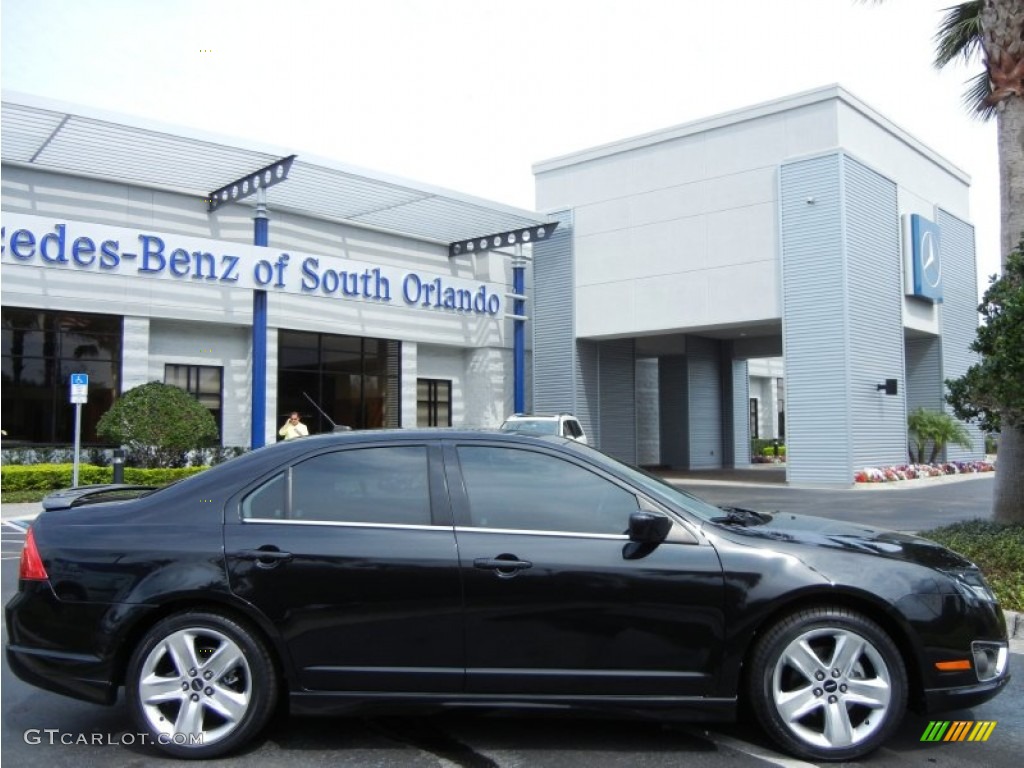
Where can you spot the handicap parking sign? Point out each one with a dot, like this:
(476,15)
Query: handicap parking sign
(79,387)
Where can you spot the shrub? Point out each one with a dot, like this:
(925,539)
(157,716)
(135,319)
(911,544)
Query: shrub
(52,477)
(158,425)
(996,548)
(926,426)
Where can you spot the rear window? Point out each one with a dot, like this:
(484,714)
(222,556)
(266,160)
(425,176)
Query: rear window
(532,426)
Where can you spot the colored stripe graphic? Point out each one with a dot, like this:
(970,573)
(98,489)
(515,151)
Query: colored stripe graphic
(982,730)
(959,730)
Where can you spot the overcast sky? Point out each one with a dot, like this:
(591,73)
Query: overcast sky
(469,94)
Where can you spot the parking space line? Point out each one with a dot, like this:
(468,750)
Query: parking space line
(761,753)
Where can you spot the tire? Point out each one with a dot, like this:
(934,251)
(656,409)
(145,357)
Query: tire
(827,684)
(200,684)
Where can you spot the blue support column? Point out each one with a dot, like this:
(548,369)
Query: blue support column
(259,333)
(519,334)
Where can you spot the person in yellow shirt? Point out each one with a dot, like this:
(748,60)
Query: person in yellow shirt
(293,428)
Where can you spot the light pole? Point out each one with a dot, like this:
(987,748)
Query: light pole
(516,238)
(256,183)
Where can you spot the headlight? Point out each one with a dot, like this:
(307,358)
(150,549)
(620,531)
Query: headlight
(972,585)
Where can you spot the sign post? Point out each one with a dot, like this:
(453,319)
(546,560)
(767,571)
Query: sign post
(79,395)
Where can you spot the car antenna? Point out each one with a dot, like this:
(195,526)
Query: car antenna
(334,427)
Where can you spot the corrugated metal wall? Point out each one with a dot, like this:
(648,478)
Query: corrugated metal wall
(587,389)
(958,315)
(550,309)
(704,402)
(814,324)
(924,373)
(738,447)
(617,403)
(878,422)
(673,411)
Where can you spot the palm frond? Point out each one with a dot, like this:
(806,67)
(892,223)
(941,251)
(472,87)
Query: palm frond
(975,98)
(959,34)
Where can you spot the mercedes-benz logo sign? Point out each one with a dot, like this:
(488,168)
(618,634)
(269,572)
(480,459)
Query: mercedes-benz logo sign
(931,266)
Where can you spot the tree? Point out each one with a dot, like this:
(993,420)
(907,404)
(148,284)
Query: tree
(158,424)
(992,390)
(938,428)
(994,31)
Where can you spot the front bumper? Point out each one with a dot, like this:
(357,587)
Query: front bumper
(963,697)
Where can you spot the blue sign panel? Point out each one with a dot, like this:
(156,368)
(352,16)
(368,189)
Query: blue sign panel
(926,256)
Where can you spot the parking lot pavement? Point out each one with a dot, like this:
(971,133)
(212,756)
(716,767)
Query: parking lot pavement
(20,511)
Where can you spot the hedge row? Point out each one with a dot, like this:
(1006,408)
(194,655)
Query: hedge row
(51,477)
(996,548)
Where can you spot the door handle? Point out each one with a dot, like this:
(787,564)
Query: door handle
(265,558)
(501,564)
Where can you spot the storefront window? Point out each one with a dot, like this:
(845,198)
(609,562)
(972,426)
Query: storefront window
(433,403)
(40,351)
(354,380)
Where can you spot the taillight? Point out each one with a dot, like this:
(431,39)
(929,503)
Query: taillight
(31,563)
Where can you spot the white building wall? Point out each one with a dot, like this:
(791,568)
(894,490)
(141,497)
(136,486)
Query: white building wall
(678,229)
(435,362)
(410,393)
(481,390)
(182,343)
(135,353)
(488,393)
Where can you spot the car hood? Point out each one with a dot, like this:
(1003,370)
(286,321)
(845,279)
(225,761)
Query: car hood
(808,530)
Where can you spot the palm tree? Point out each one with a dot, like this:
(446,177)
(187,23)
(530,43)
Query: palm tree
(938,428)
(993,30)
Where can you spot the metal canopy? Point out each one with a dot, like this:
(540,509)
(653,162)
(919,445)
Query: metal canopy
(69,139)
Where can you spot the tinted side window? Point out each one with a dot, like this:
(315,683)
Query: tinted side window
(524,490)
(268,501)
(365,485)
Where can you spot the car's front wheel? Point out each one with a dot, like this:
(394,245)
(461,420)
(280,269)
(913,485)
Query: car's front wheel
(200,684)
(828,684)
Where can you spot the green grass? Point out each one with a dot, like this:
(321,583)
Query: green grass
(21,497)
(996,548)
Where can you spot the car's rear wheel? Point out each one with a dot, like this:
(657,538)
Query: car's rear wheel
(828,684)
(200,684)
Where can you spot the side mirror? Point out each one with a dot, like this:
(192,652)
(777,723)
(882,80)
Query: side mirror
(648,528)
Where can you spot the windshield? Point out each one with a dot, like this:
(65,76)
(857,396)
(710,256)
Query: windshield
(656,486)
(532,426)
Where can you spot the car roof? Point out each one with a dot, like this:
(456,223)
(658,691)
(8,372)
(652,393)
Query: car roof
(545,416)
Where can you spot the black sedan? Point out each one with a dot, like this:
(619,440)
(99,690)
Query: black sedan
(491,570)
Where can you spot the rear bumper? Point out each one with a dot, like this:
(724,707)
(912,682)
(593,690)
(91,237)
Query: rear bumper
(71,674)
(67,647)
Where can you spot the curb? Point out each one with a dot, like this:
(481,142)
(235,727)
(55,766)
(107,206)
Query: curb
(1014,625)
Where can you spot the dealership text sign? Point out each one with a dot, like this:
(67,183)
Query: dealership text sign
(49,243)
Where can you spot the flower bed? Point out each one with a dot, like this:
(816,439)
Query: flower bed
(915,471)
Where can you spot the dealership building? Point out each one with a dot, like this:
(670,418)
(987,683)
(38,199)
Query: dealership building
(809,235)
(129,256)
(810,229)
